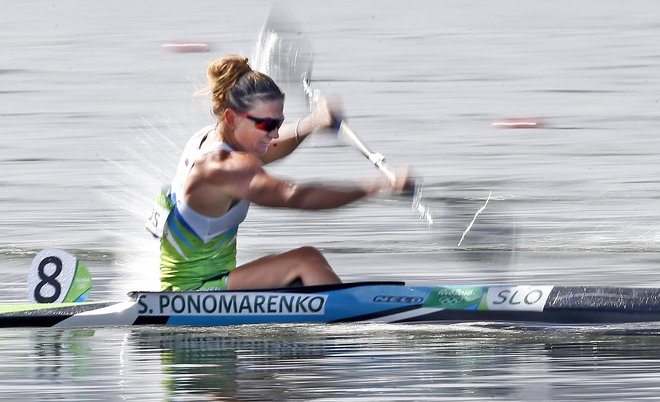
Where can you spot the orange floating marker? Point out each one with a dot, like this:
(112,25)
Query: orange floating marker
(187,47)
(519,122)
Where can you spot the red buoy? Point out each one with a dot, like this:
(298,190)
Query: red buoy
(519,122)
(187,47)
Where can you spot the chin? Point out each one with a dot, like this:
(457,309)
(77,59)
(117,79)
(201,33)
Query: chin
(262,150)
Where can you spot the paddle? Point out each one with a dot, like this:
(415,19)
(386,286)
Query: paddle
(285,54)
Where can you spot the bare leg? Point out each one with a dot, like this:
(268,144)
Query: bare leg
(306,264)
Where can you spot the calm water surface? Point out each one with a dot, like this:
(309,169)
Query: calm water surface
(94,112)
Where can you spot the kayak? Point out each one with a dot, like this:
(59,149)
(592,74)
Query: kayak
(386,302)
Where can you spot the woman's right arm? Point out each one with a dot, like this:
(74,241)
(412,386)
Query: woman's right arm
(269,191)
(251,182)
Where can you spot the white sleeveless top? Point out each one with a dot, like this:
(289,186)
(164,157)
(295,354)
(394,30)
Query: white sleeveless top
(204,227)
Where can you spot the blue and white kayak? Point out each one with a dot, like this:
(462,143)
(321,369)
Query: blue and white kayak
(387,302)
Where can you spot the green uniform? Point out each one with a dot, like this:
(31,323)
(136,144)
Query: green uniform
(198,251)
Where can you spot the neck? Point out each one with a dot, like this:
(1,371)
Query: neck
(225,134)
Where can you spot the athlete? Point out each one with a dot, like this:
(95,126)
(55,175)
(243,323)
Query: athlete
(221,172)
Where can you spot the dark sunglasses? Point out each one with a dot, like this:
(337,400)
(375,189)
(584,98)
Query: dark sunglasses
(264,123)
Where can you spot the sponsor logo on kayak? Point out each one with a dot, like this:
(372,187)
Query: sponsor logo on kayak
(455,297)
(398,299)
(217,303)
(522,298)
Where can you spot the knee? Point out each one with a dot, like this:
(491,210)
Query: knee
(311,258)
(309,253)
(312,268)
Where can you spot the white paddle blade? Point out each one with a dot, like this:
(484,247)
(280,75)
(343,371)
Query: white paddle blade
(283,52)
(57,277)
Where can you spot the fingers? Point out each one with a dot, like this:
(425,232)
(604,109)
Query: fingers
(404,182)
(400,182)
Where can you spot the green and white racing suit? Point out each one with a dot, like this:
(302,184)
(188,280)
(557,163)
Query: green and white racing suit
(197,252)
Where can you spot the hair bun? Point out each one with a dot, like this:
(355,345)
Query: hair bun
(223,74)
(228,67)
(233,84)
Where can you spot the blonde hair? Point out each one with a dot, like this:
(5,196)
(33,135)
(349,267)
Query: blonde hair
(233,84)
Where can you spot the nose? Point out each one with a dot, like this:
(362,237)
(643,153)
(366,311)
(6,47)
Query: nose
(274,134)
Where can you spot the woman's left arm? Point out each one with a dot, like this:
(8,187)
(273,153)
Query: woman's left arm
(292,135)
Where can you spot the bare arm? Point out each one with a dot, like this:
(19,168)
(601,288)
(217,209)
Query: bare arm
(249,181)
(323,116)
(289,141)
(269,191)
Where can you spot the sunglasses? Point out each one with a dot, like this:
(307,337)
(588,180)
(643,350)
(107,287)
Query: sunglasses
(264,123)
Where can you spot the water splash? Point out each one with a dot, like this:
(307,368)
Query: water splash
(419,205)
(147,161)
(475,218)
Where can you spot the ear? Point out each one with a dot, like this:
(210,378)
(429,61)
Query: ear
(230,118)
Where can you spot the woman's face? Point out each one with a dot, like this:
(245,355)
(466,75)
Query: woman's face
(252,133)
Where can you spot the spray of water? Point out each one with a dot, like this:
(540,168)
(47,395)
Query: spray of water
(474,219)
(147,162)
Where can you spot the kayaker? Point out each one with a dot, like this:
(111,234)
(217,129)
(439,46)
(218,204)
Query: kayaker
(221,172)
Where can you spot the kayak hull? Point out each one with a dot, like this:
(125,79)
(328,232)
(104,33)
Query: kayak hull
(387,302)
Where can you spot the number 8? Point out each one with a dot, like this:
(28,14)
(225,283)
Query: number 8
(48,280)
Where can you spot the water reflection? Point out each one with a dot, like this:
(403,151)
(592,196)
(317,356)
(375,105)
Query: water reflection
(335,362)
(341,361)
(245,363)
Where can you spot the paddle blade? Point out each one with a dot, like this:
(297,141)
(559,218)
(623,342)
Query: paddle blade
(283,52)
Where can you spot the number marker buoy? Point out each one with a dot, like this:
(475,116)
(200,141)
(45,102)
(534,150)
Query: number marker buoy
(58,277)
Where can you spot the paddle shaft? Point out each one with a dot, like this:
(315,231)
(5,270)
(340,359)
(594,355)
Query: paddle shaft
(347,134)
(376,158)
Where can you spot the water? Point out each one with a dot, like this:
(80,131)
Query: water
(94,113)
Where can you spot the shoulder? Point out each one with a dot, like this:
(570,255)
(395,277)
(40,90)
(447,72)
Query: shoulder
(195,139)
(221,165)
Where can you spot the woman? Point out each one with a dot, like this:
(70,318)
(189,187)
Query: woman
(220,173)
